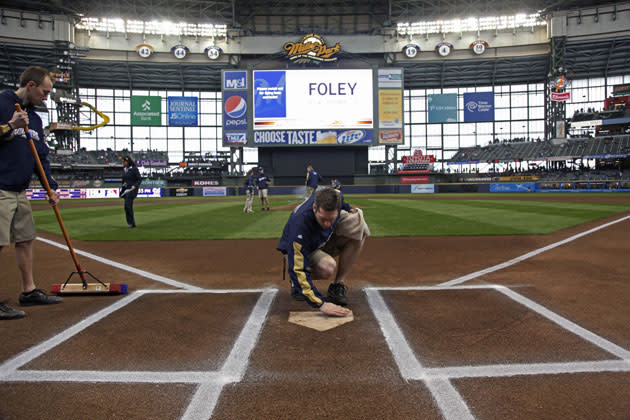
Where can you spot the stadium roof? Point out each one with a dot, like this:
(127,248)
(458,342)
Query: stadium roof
(297,16)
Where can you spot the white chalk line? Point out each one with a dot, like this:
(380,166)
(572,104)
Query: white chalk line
(529,254)
(205,399)
(449,401)
(585,334)
(209,383)
(523,369)
(14,363)
(125,267)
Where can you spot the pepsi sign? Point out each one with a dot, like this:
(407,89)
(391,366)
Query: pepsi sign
(235,111)
(234,80)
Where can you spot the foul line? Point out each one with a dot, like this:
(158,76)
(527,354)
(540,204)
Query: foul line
(528,255)
(566,324)
(133,270)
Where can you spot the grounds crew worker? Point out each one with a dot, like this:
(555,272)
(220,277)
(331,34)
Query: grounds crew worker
(17,165)
(319,229)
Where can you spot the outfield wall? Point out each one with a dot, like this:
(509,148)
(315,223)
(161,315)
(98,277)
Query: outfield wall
(610,186)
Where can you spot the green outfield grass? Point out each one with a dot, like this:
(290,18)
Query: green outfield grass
(387,215)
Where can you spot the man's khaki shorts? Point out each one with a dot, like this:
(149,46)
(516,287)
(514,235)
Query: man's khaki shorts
(332,248)
(16,218)
(263,193)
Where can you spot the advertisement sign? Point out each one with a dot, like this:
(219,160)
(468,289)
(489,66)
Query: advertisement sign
(521,187)
(414,179)
(390,108)
(423,189)
(442,108)
(204,182)
(390,78)
(234,138)
(214,191)
(313,137)
(478,106)
(235,80)
(313,99)
(560,96)
(390,137)
(311,47)
(64,193)
(235,111)
(621,90)
(183,111)
(146,110)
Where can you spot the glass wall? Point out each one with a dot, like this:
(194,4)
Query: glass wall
(519,114)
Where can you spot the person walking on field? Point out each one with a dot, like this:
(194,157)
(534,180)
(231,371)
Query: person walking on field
(312,181)
(17,165)
(249,191)
(318,230)
(262,183)
(129,190)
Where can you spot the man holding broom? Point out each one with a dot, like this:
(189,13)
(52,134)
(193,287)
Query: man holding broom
(17,165)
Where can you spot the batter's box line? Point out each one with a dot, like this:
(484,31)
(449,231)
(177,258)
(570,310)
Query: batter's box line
(437,380)
(232,370)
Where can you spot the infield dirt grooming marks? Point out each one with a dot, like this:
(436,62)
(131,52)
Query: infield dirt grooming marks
(263,373)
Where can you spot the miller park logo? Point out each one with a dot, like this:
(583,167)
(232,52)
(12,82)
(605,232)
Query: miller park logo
(311,47)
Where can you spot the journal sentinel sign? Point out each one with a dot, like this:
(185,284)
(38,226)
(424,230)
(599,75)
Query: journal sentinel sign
(478,106)
(182,111)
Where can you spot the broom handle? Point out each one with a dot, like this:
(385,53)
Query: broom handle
(46,185)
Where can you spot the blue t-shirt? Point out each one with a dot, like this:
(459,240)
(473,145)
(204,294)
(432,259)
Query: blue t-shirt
(300,237)
(262,181)
(17,163)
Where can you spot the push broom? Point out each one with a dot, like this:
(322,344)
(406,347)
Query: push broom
(71,288)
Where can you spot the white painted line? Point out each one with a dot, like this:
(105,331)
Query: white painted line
(120,266)
(236,363)
(448,399)
(528,255)
(408,364)
(11,365)
(207,395)
(182,377)
(494,371)
(566,324)
(203,402)
(200,291)
(432,288)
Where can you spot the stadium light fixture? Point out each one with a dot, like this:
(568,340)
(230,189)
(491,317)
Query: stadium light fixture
(472,24)
(112,25)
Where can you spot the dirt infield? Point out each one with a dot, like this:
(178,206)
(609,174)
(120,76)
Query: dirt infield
(553,344)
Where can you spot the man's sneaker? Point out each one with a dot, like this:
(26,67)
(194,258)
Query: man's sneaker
(38,297)
(296,295)
(10,313)
(337,294)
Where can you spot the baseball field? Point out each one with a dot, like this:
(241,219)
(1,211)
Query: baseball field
(465,307)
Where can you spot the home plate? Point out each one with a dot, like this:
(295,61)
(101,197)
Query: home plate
(319,321)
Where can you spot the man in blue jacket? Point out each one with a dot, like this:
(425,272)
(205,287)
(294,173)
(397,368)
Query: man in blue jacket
(17,166)
(312,181)
(310,241)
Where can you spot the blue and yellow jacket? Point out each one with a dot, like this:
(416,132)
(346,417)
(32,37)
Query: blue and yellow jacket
(300,237)
(17,163)
(313,179)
